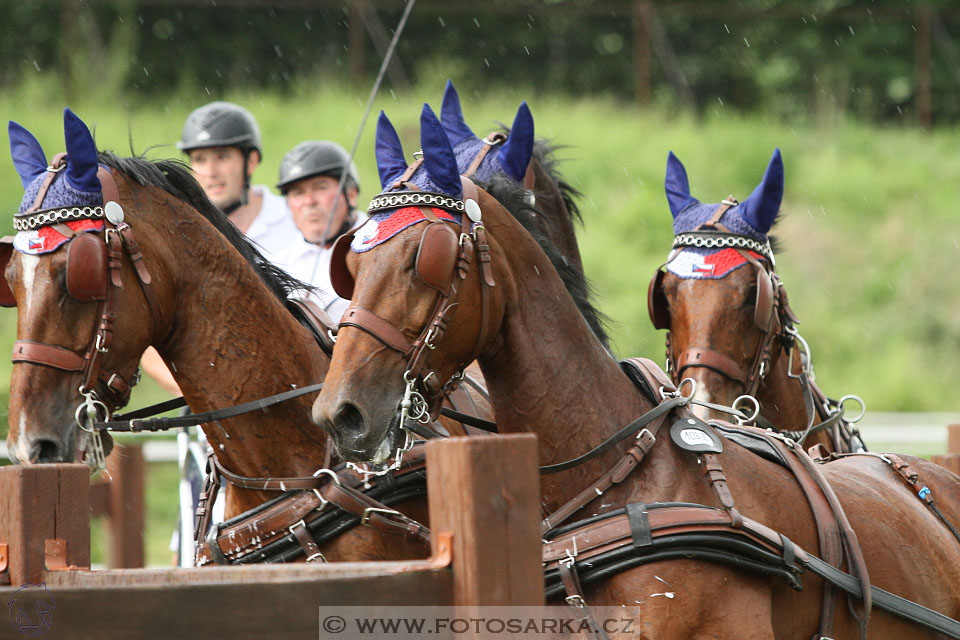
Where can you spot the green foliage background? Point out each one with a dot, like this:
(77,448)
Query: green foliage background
(869,222)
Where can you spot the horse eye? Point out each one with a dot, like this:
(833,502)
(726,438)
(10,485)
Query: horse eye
(750,298)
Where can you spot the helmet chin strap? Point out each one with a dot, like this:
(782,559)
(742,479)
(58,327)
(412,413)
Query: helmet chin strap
(346,226)
(245,194)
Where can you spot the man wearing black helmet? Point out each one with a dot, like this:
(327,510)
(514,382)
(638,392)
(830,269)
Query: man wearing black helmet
(222,141)
(310,175)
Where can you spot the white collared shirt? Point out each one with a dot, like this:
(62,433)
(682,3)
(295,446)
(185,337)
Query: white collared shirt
(273,229)
(311,264)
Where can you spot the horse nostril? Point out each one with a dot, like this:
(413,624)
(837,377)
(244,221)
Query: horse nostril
(45,451)
(348,419)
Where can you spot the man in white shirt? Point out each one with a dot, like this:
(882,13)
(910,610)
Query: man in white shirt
(222,142)
(310,174)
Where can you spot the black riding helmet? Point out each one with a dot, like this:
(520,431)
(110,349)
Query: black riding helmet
(220,124)
(223,124)
(314,158)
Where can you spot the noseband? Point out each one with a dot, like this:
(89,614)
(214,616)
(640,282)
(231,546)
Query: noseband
(92,274)
(443,260)
(772,313)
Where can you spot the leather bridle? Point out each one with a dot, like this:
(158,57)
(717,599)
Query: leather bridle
(93,273)
(772,314)
(443,261)
(492,140)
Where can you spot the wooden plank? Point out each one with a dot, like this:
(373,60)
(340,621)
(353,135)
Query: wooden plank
(126,523)
(953,438)
(949,461)
(39,503)
(486,490)
(250,609)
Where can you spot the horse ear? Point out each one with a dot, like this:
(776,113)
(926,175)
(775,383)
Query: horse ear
(451,117)
(677,186)
(28,157)
(761,208)
(81,154)
(390,161)
(518,149)
(438,157)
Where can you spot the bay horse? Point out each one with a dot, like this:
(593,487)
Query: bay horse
(219,317)
(500,301)
(728,320)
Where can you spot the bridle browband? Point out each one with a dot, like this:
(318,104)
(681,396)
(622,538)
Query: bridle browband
(93,272)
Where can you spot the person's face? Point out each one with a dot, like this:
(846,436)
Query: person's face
(310,200)
(219,170)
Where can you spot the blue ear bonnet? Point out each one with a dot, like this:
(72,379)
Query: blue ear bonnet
(509,158)
(697,214)
(60,194)
(78,186)
(752,217)
(438,173)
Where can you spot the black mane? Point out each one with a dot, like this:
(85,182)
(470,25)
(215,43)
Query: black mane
(513,197)
(175,178)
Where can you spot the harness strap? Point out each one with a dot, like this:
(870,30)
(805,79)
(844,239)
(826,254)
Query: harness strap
(673,523)
(635,454)
(702,357)
(377,327)
(571,584)
(57,164)
(489,142)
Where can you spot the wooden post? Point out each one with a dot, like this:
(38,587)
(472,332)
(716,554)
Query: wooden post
(41,503)
(126,520)
(924,100)
(952,458)
(641,52)
(486,491)
(357,52)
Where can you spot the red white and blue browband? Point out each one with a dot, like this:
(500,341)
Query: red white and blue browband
(712,255)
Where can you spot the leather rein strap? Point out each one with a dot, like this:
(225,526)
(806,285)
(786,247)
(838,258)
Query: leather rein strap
(119,240)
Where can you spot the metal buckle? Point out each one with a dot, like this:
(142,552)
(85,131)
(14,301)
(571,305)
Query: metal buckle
(576,601)
(365,520)
(571,558)
(98,344)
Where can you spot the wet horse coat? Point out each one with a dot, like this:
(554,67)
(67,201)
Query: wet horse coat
(548,375)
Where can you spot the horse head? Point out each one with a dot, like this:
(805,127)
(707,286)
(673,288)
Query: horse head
(59,276)
(417,273)
(718,295)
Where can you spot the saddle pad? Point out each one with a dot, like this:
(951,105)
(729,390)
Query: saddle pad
(751,442)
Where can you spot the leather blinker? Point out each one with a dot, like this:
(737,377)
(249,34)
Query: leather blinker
(340,276)
(87,268)
(437,256)
(657,304)
(6,294)
(764,303)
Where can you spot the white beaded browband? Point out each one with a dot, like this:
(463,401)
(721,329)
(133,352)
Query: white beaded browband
(714,239)
(414,199)
(29,222)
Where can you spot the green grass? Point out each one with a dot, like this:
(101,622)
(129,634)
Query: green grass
(869,222)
